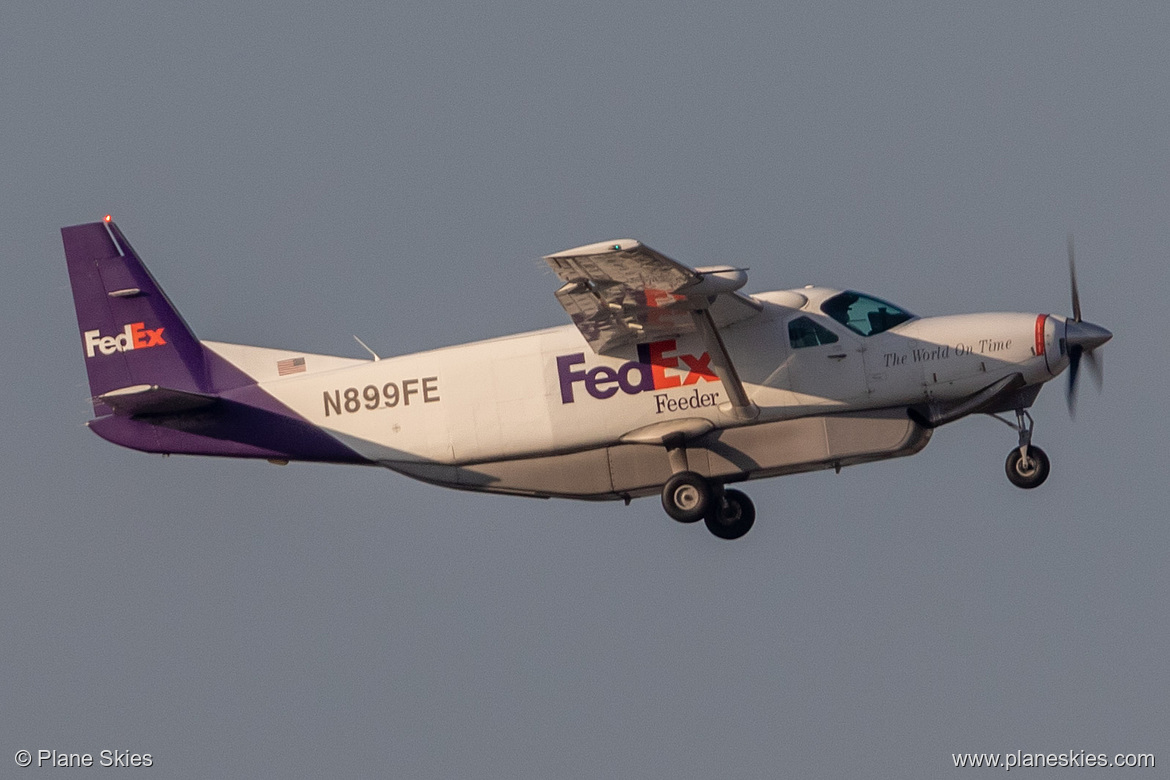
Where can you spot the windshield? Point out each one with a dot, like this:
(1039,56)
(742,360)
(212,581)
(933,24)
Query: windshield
(864,314)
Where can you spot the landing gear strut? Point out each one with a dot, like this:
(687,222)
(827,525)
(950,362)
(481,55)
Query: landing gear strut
(1027,466)
(689,497)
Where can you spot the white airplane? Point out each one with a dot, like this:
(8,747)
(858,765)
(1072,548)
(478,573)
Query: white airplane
(669,381)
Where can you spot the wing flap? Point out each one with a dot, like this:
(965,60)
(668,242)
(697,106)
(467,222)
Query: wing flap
(621,292)
(624,262)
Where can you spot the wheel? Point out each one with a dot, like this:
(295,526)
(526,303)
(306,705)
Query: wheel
(1027,473)
(686,496)
(733,518)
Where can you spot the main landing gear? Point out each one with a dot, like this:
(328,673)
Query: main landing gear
(689,497)
(1027,466)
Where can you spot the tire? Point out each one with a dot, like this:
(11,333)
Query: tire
(686,496)
(1025,475)
(733,518)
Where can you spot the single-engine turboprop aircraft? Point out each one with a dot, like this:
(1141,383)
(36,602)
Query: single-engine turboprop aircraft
(669,381)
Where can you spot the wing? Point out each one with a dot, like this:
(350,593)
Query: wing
(621,292)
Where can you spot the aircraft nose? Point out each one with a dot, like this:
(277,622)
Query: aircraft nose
(1086,335)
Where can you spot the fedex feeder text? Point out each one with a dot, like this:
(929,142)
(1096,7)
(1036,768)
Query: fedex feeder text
(659,367)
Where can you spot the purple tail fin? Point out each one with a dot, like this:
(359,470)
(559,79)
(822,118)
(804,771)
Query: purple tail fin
(155,387)
(131,334)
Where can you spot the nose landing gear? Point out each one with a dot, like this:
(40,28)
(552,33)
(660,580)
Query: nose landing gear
(1027,466)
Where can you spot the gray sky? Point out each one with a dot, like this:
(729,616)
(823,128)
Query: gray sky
(294,174)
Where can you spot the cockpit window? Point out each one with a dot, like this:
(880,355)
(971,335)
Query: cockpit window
(864,314)
(803,332)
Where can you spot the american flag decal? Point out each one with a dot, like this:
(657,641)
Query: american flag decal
(290,366)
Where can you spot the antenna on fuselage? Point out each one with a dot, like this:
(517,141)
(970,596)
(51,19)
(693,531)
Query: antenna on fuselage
(367,348)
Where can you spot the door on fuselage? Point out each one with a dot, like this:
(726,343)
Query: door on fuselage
(826,361)
(864,317)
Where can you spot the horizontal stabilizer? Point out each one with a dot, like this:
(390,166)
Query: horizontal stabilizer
(152,399)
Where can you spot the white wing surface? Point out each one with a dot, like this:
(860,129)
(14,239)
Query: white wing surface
(621,292)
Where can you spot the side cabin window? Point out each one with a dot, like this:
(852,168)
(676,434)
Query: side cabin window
(864,314)
(803,332)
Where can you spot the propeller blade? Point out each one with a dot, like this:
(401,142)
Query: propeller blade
(1096,365)
(1074,366)
(1082,338)
(1072,276)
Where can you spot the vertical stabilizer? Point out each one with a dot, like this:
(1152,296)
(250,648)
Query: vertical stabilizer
(131,334)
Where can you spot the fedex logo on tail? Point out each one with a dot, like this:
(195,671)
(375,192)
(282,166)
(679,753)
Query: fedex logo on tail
(134,336)
(655,369)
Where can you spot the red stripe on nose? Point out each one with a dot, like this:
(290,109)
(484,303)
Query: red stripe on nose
(1040,318)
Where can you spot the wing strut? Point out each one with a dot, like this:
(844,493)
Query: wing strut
(622,292)
(741,407)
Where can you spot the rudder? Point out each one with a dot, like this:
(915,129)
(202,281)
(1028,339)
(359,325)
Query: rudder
(131,334)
